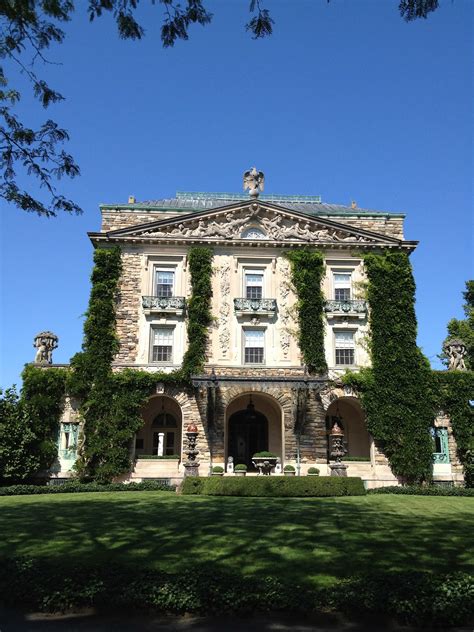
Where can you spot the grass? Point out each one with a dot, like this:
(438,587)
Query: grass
(312,540)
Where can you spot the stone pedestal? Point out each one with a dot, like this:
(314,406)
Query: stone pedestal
(191,469)
(338,469)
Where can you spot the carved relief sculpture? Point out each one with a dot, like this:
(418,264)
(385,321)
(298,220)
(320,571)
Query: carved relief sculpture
(224,308)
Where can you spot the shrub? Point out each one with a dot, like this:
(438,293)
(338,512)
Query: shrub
(275,486)
(218,469)
(420,599)
(289,468)
(365,459)
(265,453)
(76,487)
(240,467)
(313,470)
(424,490)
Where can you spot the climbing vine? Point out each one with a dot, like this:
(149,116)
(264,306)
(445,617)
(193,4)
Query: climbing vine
(454,391)
(398,392)
(111,402)
(307,268)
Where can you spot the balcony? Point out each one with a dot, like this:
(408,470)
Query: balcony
(354,308)
(164,304)
(255,306)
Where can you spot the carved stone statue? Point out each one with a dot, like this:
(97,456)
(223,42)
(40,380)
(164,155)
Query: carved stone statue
(455,349)
(45,343)
(254,181)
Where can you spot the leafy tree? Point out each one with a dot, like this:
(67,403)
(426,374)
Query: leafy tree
(18,459)
(464,329)
(29,27)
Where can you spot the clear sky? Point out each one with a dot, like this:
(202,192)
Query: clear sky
(345,100)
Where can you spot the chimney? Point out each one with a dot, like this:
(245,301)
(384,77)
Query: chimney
(131,199)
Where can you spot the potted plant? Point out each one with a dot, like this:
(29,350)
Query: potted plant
(240,469)
(289,470)
(313,471)
(217,470)
(264,461)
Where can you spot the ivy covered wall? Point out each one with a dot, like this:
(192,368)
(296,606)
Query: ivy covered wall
(111,402)
(307,269)
(398,391)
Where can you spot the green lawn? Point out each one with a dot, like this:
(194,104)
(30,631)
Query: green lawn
(311,539)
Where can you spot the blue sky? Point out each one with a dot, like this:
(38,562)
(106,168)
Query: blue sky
(345,100)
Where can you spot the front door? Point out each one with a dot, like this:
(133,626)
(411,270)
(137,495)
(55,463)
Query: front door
(248,434)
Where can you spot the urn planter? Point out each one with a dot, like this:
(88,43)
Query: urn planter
(240,472)
(264,464)
(289,473)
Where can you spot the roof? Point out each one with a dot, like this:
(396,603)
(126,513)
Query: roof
(199,201)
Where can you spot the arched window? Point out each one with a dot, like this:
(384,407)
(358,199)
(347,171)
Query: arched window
(165,420)
(253,233)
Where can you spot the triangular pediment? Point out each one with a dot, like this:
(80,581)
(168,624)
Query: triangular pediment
(253,221)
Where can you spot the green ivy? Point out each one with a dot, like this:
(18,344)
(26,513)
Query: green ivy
(455,389)
(307,269)
(398,391)
(199,310)
(112,402)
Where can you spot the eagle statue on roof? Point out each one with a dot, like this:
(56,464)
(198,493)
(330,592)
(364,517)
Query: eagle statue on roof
(254,181)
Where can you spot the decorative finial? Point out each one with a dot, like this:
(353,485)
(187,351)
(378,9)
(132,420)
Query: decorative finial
(46,342)
(254,181)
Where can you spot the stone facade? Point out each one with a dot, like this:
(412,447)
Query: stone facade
(254,405)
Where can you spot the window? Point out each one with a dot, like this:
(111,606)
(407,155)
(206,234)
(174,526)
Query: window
(342,286)
(440,445)
(254,285)
(254,346)
(344,344)
(162,344)
(164,283)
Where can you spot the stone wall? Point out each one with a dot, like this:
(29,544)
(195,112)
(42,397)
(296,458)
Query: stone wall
(129,306)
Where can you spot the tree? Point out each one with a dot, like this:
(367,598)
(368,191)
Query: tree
(29,27)
(464,329)
(18,460)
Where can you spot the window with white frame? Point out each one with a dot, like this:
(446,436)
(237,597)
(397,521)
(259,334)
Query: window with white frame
(344,346)
(254,346)
(164,283)
(253,284)
(342,286)
(162,344)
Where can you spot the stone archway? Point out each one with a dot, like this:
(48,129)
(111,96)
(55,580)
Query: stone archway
(349,415)
(254,422)
(161,433)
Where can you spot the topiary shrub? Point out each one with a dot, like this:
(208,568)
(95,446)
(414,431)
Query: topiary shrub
(264,454)
(289,468)
(313,471)
(217,469)
(240,467)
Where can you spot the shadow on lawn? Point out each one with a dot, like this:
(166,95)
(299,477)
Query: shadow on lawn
(309,540)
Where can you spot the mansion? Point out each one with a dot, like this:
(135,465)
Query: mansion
(254,369)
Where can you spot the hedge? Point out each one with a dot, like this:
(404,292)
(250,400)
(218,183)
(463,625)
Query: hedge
(75,487)
(424,490)
(412,598)
(274,486)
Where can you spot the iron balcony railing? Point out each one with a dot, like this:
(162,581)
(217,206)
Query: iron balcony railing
(260,305)
(346,307)
(164,303)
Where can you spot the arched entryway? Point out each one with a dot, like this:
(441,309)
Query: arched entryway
(350,417)
(254,424)
(161,433)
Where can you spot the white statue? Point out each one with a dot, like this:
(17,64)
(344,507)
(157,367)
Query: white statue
(254,181)
(45,342)
(455,349)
